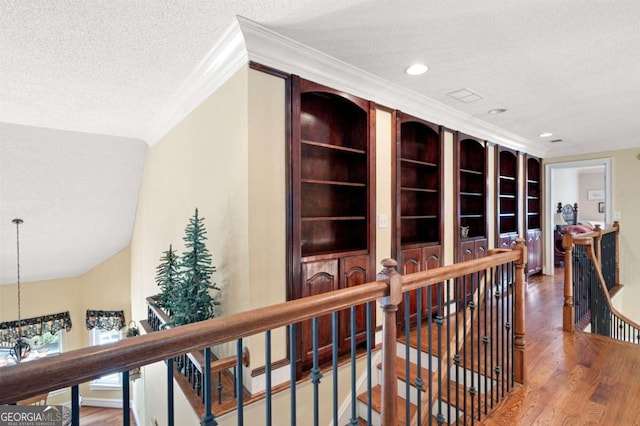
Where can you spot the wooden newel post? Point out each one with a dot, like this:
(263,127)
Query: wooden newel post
(389,305)
(616,225)
(520,364)
(568,308)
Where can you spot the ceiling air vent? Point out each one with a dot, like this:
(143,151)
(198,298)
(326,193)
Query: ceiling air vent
(465,95)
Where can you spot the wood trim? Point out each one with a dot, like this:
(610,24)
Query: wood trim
(268,70)
(261,370)
(395,185)
(82,365)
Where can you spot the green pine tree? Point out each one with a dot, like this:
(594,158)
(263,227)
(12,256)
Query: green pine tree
(196,303)
(167,278)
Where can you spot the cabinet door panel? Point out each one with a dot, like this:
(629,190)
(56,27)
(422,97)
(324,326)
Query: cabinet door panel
(353,272)
(317,278)
(410,262)
(431,259)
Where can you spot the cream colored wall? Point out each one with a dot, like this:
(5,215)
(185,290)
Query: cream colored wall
(449,195)
(384,141)
(267,202)
(105,287)
(626,200)
(203,163)
(491,195)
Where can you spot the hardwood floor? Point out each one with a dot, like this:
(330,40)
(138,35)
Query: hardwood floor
(98,416)
(573,378)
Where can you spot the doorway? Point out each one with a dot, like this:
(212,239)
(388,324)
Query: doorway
(561,187)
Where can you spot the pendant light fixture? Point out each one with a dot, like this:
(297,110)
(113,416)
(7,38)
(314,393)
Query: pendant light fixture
(21,349)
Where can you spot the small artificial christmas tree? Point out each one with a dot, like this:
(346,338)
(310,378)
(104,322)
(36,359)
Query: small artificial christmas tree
(194,301)
(167,278)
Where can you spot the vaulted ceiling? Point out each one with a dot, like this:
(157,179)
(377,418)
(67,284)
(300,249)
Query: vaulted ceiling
(83,84)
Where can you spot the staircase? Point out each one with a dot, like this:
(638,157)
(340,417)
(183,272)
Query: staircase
(467,393)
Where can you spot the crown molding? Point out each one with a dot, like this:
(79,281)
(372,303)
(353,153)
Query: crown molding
(220,64)
(246,41)
(272,49)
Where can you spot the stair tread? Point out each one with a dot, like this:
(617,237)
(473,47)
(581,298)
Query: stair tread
(435,350)
(465,406)
(401,372)
(376,393)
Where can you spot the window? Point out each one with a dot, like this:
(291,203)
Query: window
(42,346)
(102,337)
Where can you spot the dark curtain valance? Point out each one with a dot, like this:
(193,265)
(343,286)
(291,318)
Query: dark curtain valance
(105,320)
(32,327)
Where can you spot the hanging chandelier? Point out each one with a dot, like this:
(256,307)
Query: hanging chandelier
(21,349)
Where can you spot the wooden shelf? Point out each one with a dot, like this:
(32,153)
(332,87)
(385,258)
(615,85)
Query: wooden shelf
(330,218)
(507,214)
(435,191)
(336,147)
(507,177)
(333,200)
(418,190)
(418,217)
(470,216)
(419,163)
(472,172)
(333,182)
(507,196)
(472,194)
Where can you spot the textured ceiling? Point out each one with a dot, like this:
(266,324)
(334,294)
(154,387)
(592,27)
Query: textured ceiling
(82,81)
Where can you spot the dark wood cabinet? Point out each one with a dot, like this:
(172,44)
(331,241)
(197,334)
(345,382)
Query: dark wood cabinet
(417,241)
(471,190)
(332,203)
(507,197)
(470,182)
(533,216)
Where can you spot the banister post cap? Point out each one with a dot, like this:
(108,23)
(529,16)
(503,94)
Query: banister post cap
(389,263)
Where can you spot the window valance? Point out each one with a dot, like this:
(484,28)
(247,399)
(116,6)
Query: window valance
(32,327)
(105,320)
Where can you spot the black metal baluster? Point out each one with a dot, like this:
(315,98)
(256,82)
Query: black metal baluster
(407,348)
(370,337)
(419,383)
(315,372)
(75,405)
(430,350)
(239,385)
(170,411)
(219,387)
(208,419)
(354,415)
(439,322)
(448,321)
(334,363)
(126,409)
(292,372)
(267,373)
(472,308)
(456,357)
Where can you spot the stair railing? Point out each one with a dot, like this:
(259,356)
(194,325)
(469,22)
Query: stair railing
(604,318)
(78,366)
(480,348)
(605,244)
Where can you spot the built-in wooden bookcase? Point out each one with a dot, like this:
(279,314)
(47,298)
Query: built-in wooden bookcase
(470,202)
(533,208)
(507,197)
(418,200)
(333,203)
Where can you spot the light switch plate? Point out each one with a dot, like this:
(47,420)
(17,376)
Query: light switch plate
(383,221)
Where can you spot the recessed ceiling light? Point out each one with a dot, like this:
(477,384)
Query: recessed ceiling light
(417,69)
(545,135)
(497,111)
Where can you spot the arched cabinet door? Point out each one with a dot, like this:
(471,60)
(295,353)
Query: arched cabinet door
(353,272)
(317,278)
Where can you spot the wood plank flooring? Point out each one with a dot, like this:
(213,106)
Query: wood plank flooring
(98,416)
(573,378)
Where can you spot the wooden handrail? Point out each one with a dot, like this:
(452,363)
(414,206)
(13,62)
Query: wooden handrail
(603,286)
(568,241)
(437,275)
(496,257)
(79,366)
(31,378)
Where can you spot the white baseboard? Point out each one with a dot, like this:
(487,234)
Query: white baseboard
(103,402)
